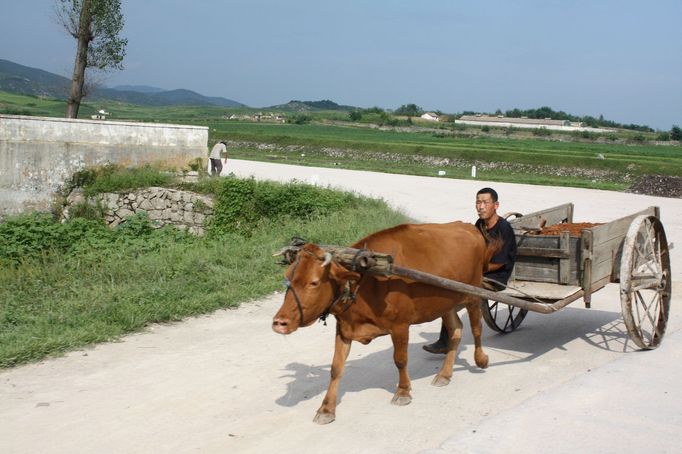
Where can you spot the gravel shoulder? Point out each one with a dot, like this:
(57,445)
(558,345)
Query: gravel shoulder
(226,383)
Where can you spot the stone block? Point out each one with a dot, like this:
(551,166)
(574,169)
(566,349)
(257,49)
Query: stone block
(155,215)
(207,201)
(124,213)
(111,201)
(159,204)
(195,230)
(75,197)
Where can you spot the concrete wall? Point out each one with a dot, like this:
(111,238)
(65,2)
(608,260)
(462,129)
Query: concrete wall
(38,154)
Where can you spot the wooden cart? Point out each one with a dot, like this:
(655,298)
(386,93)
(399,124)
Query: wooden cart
(559,269)
(553,271)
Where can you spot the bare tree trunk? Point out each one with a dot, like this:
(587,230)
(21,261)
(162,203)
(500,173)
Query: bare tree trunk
(78,78)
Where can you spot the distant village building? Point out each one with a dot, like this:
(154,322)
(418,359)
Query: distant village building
(268,117)
(524,122)
(100,115)
(430,116)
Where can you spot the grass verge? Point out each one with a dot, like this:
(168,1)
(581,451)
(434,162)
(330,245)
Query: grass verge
(89,284)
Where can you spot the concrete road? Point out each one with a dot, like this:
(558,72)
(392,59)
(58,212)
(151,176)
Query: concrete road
(567,382)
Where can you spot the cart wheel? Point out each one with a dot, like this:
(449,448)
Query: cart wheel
(645,285)
(501,317)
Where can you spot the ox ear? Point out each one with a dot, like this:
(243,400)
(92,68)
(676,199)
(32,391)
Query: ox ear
(341,274)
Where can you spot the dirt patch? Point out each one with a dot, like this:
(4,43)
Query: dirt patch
(574,229)
(658,185)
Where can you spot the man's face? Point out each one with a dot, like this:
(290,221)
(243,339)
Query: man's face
(485,207)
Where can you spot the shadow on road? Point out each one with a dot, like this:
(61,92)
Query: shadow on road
(538,335)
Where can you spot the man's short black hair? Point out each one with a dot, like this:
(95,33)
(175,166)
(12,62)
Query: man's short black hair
(491,191)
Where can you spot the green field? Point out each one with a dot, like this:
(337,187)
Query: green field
(608,161)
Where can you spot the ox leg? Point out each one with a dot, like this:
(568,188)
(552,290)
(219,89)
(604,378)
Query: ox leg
(454,326)
(400,337)
(474,310)
(327,411)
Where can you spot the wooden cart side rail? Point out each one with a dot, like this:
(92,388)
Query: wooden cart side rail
(602,247)
(554,215)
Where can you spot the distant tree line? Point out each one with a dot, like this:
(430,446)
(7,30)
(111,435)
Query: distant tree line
(548,112)
(409,110)
(413,110)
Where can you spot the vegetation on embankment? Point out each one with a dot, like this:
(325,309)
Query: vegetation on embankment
(65,286)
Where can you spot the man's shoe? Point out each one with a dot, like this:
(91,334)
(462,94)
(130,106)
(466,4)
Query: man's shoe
(436,348)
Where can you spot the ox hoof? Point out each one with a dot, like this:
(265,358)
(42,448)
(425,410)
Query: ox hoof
(324,418)
(401,400)
(440,381)
(482,361)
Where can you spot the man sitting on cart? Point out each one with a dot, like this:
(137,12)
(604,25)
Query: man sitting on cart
(501,264)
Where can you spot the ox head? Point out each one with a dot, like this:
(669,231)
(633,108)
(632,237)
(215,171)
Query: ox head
(314,282)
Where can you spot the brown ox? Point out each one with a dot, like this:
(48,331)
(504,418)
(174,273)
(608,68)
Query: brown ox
(389,305)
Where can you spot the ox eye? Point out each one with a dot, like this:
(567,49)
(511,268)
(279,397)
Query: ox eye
(314,283)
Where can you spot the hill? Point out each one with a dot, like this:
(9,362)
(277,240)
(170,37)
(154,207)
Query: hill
(309,106)
(16,78)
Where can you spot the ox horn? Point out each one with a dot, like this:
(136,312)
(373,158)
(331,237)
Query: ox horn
(288,255)
(327,259)
(281,251)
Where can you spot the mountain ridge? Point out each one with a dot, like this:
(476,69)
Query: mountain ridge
(17,78)
(308,106)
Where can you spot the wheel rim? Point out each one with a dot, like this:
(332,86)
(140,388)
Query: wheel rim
(501,317)
(645,285)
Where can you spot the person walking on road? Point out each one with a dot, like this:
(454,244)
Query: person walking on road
(216,157)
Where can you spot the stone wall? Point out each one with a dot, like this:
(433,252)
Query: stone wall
(182,209)
(38,154)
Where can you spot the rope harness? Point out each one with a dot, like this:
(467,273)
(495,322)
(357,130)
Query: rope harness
(348,293)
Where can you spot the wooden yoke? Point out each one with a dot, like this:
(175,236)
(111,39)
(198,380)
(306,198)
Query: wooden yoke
(358,260)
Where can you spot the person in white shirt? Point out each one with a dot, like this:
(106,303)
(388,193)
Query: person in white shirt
(216,157)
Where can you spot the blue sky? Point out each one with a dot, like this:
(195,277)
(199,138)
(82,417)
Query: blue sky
(621,59)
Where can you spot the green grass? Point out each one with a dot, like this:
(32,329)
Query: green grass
(66,286)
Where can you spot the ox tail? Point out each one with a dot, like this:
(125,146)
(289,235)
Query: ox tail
(492,247)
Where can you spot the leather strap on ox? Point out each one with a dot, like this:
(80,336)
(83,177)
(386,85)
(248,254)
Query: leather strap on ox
(287,284)
(347,293)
